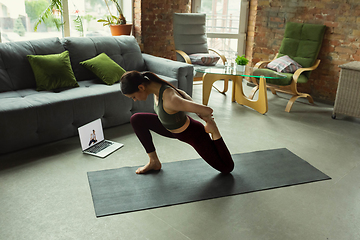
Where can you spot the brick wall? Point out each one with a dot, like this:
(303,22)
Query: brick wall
(153,25)
(267,19)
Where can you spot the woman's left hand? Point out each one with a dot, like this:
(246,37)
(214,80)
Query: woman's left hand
(205,118)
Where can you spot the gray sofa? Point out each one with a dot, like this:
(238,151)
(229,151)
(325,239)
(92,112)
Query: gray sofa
(29,117)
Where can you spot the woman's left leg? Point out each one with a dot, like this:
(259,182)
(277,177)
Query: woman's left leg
(142,123)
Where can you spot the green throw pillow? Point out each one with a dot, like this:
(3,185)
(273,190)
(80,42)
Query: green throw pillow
(104,68)
(52,71)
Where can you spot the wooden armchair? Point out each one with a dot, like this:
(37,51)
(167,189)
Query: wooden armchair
(301,43)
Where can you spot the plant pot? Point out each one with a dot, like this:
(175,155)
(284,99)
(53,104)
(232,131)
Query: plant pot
(240,68)
(123,29)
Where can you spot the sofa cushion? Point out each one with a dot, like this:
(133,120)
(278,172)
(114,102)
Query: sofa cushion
(52,71)
(124,50)
(15,69)
(104,68)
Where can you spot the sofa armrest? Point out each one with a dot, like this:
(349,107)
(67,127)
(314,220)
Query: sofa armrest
(180,71)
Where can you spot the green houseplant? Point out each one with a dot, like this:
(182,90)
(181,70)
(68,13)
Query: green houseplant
(117,22)
(241,61)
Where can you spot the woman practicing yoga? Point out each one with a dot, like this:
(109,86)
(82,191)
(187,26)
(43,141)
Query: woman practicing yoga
(170,120)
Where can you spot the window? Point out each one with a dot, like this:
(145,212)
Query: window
(18,19)
(84,15)
(226,23)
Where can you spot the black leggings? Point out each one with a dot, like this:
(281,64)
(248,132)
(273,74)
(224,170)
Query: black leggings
(214,152)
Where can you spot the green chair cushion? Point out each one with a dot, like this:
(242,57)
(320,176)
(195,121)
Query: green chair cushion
(52,71)
(104,68)
(283,82)
(302,43)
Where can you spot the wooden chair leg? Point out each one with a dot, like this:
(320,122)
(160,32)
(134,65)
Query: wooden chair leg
(310,99)
(272,90)
(292,90)
(199,80)
(253,91)
(290,103)
(226,86)
(295,97)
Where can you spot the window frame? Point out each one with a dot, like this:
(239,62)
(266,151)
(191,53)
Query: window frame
(243,22)
(66,18)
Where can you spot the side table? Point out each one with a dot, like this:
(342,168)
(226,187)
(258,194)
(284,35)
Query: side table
(347,99)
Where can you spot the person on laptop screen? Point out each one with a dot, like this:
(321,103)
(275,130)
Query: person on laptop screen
(170,120)
(92,138)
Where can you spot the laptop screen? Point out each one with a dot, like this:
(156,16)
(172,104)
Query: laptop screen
(90,134)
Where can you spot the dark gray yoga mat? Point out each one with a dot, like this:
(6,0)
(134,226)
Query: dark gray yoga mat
(120,190)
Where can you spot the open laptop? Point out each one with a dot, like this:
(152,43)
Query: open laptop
(93,142)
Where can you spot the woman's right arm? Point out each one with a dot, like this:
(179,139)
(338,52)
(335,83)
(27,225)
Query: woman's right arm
(185,95)
(172,102)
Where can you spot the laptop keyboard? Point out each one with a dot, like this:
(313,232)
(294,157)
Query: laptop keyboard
(99,147)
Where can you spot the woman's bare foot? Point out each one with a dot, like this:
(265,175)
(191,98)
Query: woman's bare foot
(153,164)
(148,167)
(211,127)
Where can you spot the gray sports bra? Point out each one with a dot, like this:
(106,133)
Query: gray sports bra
(169,121)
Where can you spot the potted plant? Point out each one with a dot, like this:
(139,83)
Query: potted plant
(241,61)
(117,24)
